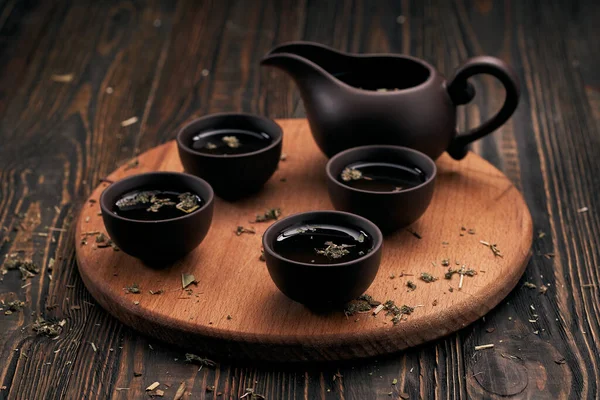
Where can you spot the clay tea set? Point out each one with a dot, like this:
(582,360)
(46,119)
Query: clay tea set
(382,119)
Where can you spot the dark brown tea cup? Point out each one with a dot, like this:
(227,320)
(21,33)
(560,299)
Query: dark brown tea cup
(389,210)
(158,242)
(321,285)
(232,176)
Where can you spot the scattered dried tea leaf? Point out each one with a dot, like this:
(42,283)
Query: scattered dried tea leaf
(192,358)
(445,262)
(397,312)
(483,347)
(62,78)
(231,141)
(129,121)
(283,157)
(425,277)
(135,289)
(334,251)
(529,285)
(543,289)
(357,306)
(210,146)
(159,291)
(132,164)
(492,247)
(270,214)
(411,285)
(351,174)
(187,280)
(471,231)
(253,396)
(262,255)
(48,328)
(14,306)
(240,229)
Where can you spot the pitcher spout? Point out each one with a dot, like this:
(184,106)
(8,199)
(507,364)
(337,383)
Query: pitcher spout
(305,73)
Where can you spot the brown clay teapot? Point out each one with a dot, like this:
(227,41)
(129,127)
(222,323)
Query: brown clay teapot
(362,99)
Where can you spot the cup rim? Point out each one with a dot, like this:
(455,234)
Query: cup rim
(276,140)
(399,150)
(283,223)
(106,209)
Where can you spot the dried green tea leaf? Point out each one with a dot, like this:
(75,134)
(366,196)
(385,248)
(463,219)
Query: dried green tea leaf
(240,229)
(132,164)
(425,277)
(192,358)
(187,280)
(270,214)
(262,255)
(135,289)
(48,328)
(14,306)
(252,395)
(411,285)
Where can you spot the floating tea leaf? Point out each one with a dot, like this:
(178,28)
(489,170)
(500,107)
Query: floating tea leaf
(322,243)
(153,205)
(229,141)
(351,174)
(381,176)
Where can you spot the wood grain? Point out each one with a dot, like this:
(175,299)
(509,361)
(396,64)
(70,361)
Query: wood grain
(265,325)
(57,139)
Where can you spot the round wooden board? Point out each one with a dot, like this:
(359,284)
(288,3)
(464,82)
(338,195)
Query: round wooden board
(264,323)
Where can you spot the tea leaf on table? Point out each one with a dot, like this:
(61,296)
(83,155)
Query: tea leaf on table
(134,289)
(132,164)
(253,396)
(192,358)
(262,255)
(240,229)
(14,306)
(425,277)
(187,280)
(411,285)
(48,328)
(270,214)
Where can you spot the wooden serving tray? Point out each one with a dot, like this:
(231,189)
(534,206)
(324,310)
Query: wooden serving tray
(263,323)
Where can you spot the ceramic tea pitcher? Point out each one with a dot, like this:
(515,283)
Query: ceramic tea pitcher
(361,99)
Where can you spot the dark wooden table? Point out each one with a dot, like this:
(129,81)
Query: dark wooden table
(72,71)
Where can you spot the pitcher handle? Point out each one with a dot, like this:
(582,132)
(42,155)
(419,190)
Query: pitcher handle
(462,92)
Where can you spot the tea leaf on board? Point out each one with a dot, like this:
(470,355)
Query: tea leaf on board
(187,280)
(270,214)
